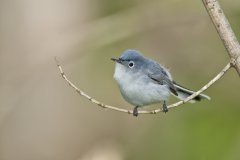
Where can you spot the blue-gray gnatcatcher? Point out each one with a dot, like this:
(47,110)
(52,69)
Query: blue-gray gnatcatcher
(143,81)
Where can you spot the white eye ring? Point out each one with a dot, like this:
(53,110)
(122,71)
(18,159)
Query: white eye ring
(131,64)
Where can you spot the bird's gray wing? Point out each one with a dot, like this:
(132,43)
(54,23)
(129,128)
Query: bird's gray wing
(163,79)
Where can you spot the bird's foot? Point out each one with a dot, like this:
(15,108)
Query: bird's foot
(135,111)
(164,107)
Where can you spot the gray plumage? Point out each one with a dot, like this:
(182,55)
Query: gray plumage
(143,81)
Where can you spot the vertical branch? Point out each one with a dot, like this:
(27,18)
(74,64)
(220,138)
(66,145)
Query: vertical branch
(225,31)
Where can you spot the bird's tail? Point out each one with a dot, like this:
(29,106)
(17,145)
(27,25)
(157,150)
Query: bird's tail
(183,93)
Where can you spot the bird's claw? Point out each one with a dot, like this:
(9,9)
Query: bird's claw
(135,111)
(164,107)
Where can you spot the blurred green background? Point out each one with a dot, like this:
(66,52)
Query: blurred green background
(42,118)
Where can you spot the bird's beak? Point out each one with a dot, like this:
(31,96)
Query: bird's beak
(116,60)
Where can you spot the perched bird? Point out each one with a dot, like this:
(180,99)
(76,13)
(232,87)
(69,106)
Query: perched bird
(143,81)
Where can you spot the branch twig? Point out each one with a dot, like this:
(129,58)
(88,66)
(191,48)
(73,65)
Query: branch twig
(224,30)
(219,75)
(230,42)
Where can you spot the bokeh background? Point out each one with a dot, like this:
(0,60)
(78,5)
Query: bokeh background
(42,118)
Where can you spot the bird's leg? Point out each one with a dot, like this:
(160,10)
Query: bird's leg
(164,107)
(135,111)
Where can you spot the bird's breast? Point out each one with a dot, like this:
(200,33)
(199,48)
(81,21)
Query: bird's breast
(138,89)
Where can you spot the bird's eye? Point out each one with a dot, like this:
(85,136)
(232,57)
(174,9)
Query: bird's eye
(131,64)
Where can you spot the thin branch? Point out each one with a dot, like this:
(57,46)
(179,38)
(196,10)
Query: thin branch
(230,42)
(80,92)
(224,30)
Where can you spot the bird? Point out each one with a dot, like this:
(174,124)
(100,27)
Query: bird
(143,81)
